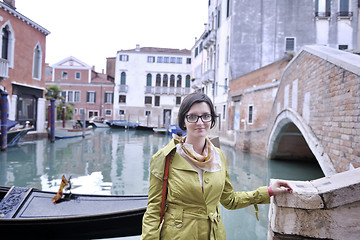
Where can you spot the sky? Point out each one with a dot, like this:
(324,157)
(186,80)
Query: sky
(93,30)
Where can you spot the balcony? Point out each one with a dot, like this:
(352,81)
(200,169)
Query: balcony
(4,69)
(149,89)
(208,76)
(209,39)
(167,90)
(123,88)
(344,15)
(322,15)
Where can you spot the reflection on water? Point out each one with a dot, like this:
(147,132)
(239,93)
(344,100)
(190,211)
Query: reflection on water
(115,161)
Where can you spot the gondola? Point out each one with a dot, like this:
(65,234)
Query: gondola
(30,212)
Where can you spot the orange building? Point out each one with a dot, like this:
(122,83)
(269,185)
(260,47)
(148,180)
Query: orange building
(88,91)
(22,66)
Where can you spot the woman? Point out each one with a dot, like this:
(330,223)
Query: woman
(198,181)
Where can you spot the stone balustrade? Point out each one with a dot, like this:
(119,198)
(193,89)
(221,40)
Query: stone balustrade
(325,208)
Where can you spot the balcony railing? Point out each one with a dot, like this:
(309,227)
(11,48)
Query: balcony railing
(209,39)
(123,88)
(320,15)
(345,14)
(208,76)
(166,90)
(4,68)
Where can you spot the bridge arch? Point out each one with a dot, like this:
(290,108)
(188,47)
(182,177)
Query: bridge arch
(289,123)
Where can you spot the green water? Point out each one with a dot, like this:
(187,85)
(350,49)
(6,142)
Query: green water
(116,161)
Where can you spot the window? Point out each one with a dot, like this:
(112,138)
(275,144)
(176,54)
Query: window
(228,8)
(72,96)
(123,78)
(148,100)
(224,111)
(165,80)
(124,58)
(121,112)
(157,101)
(166,59)
(251,114)
(179,60)
(158,80)
(322,8)
(159,59)
(201,47)
(218,17)
(172,59)
(109,97)
(77,75)
(7,43)
(187,81)
(148,79)
(108,112)
(91,97)
(172,80)
(76,96)
(196,52)
(37,62)
(64,75)
(122,98)
(344,7)
(289,44)
(178,101)
(188,60)
(81,111)
(151,59)
(178,81)
(343,47)
(147,113)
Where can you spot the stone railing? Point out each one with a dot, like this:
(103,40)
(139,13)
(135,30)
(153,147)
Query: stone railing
(326,208)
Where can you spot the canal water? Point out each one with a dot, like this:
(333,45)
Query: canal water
(116,161)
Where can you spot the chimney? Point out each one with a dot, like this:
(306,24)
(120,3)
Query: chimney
(137,48)
(10,3)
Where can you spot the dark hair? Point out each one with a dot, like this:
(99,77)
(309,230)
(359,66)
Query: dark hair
(191,99)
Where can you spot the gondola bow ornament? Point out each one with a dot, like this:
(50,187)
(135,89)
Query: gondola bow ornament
(59,194)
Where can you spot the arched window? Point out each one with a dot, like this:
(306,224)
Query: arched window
(37,63)
(148,79)
(172,80)
(123,78)
(158,80)
(7,43)
(178,81)
(187,82)
(165,80)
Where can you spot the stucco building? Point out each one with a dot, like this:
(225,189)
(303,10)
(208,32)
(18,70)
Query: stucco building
(22,66)
(150,84)
(242,36)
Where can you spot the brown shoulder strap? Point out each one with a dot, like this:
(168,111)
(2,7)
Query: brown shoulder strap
(165,182)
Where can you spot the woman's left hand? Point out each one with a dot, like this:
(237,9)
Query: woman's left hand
(280,187)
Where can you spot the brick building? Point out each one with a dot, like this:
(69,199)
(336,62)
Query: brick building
(251,96)
(22,66)
(88,91)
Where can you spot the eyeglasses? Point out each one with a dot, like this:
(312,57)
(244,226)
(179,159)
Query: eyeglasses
(192,118)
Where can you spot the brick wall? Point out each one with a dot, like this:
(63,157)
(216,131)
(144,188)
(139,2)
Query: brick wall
(327,97)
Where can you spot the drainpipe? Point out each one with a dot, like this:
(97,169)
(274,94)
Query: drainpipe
(4,114)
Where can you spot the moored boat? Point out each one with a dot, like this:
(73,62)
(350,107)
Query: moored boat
(27,211)
(61,133)
(15,133)
(122,124)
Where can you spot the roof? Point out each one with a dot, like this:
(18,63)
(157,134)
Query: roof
(157,50)
(18,15)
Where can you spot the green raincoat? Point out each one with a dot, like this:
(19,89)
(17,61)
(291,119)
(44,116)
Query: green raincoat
(192,213)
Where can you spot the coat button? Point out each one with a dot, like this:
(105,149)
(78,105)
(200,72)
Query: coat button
(206,180)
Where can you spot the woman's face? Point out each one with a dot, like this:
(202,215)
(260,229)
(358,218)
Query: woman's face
(198,129)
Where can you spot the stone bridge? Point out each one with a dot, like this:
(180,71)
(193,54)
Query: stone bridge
(316,112)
